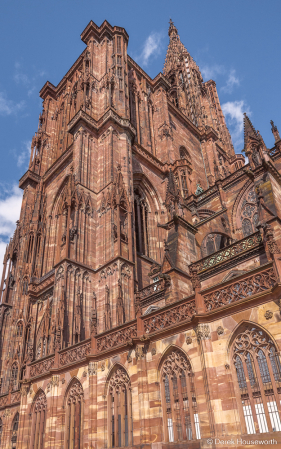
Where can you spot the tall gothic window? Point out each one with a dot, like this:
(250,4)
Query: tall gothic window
(1,430)
(258,375)
(141,223)
(249,213)
(213,243)
(74,416)
(119,409)
(19,329)
(14,376)
(15,427)
(178,397)
(38,422)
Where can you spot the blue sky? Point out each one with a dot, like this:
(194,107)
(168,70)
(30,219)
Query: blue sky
(234,42)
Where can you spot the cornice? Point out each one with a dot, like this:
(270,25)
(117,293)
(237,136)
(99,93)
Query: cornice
(96,125)
(99,33)
(29,178)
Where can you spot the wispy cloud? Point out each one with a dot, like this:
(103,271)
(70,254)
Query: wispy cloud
(25,80)
(233,111)
(152,47)
(215,70)
(211,71)
(23,156)
(9,107)
(10,205)
(231,82)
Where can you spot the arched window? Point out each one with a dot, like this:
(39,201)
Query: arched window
(119,409)
(19,329)
(38,422)
(141,223)
(74,416)
(184,154)
(213,243)
(178,397)
(1,430)
(249,212)
(15,427)
(258,376)
(14,376)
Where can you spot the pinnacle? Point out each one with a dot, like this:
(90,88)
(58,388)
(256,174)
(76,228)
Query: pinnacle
(249,130)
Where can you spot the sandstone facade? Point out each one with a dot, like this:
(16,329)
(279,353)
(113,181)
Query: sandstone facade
(141,289)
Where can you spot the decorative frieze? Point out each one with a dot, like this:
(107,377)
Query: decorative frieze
(170,317)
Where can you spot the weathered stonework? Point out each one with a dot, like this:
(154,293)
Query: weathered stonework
(141,290)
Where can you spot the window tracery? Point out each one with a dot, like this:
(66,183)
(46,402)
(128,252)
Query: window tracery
(38,422)
(214,242)
(15,427)
(180,411)
(258,374)
(141,222)
(249,212)
(119,409)
(74,417)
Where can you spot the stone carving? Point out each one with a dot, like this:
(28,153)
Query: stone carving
(240,289)
(75,354)
(203,332)
(173,316)
(268,315)
(75,394)
(116,338)
(92,370)
(220,330)
(188,340)
(153,351)
(175,363)
(119,381)
(42,367)
(228,253)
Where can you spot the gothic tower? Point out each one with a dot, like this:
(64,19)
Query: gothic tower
(140,295)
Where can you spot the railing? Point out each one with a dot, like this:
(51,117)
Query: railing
(152,289)
(42,367)
(228,253)
(75,354)
(240,289)
(176,315)
(116,338)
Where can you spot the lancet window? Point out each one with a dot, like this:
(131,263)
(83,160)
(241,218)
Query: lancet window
(14,376)
(1,429)
(19,329)
(119,409)
(38,422)
(258,381)
(74,417)
(249,213)
(15,427)
(213,243)
(141,223)
(180,413)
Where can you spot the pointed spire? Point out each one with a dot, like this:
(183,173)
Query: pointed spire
(249,130)
(275,131)
(173,32)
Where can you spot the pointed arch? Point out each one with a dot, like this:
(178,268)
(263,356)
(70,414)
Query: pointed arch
(74,406)
(245,209)
(119,407)
(180,416)
(15,426)
(38,423)
(256,370)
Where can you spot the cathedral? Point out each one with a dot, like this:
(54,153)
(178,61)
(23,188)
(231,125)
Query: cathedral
(140,293)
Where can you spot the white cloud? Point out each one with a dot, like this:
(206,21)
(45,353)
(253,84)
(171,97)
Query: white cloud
(233,112)
(24,155)
(152,47)
(232,81)
(210,71)
(27,81)
(8,107)
(10,205)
